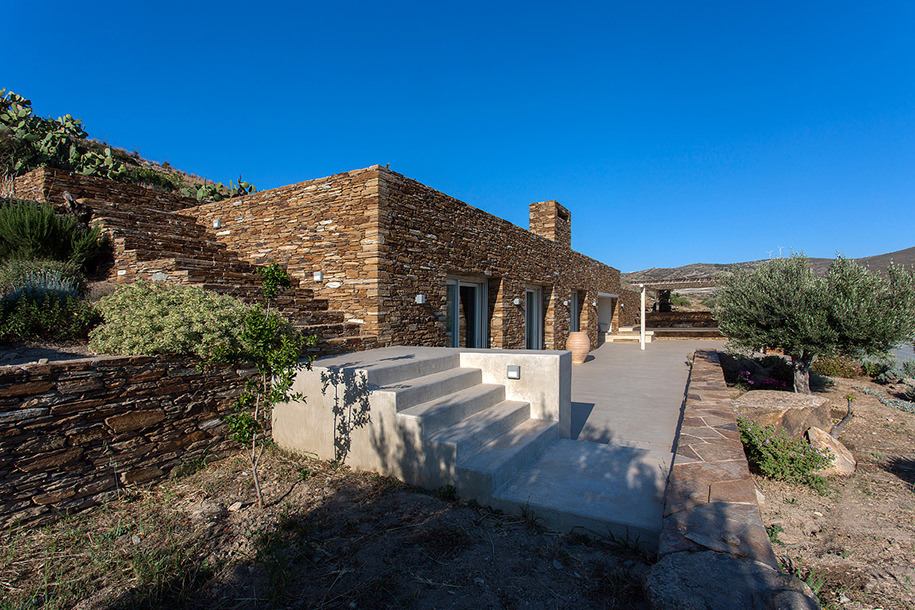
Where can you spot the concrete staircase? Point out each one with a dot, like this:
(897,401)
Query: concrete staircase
(471,436)
(628,334)
(451,428)
(158,245)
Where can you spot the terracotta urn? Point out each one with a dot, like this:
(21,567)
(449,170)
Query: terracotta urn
(579,345)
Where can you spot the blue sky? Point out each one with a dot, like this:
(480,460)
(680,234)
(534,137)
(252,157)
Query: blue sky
(675,132)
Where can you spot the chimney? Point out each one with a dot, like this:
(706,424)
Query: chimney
(551,220)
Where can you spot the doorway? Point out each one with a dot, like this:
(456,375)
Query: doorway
(533,318)
(466,314)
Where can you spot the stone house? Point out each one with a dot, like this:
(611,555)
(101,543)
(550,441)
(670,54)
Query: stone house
(417,267)
(399,262)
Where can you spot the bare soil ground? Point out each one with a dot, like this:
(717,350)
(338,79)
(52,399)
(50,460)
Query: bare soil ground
(328,538)
(858,542)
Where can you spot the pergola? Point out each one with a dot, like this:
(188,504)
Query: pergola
(664,288)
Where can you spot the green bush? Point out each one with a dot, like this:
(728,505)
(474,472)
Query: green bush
(777,456)
(908,368)
(166,181)
(48,317)
(836,366)
(876,365)
(31,231)
(147,318)
(47,276)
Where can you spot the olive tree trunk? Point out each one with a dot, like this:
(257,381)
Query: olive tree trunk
(801,365)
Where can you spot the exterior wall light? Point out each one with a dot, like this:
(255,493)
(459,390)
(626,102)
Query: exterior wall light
(517,301)
(217,223)
(319,276)
(514,372)
(420,299)
(566,303)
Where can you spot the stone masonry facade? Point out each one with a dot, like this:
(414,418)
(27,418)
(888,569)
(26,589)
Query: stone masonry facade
(74,432)
(380,239)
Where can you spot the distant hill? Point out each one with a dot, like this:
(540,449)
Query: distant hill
(702,270)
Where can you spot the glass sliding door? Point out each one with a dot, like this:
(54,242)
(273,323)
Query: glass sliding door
(575,313)
(533,318)
(466,315)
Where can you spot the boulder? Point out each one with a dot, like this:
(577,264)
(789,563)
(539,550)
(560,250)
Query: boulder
(793,413)
(718,581)
(844,463)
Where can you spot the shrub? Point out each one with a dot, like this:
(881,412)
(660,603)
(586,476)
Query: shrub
(45,317)
(777,456)
(908,368)
(146,318)
(146,177)
(62,278)
(35,231)
(836,366)
(878,364)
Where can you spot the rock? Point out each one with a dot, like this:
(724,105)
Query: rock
(761,500)
(717,581)
(205,511)
(236,506)
(843,463)
(793,413)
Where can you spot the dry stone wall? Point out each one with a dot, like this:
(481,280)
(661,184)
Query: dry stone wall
(74,432)
(684,319)
(630,308)
(48,184)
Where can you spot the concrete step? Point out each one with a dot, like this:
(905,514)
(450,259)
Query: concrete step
(479,474)
(449,410)
(484,426)
(627,337)
(409,392)
(409,368)
(594,486)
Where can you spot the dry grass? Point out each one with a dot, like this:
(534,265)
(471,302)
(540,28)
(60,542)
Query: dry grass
(328,538)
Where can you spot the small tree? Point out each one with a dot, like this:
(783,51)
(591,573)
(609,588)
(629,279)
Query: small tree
(275,349)
(784,305)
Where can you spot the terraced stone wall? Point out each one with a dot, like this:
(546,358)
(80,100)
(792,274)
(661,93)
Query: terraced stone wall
(48,184)
(74,432)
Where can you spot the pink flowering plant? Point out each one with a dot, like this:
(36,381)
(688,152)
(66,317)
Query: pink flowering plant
(746,383)
(776,455)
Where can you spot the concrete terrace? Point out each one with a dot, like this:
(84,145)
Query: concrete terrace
(612,473)
(437,416)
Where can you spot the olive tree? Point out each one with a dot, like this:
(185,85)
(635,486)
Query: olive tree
(784,305)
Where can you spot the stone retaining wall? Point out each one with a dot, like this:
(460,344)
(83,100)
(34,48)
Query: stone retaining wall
(714,551)
(48,184)
(686,319)
(73,432)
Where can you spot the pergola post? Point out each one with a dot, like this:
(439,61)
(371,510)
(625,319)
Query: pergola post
(642,318)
